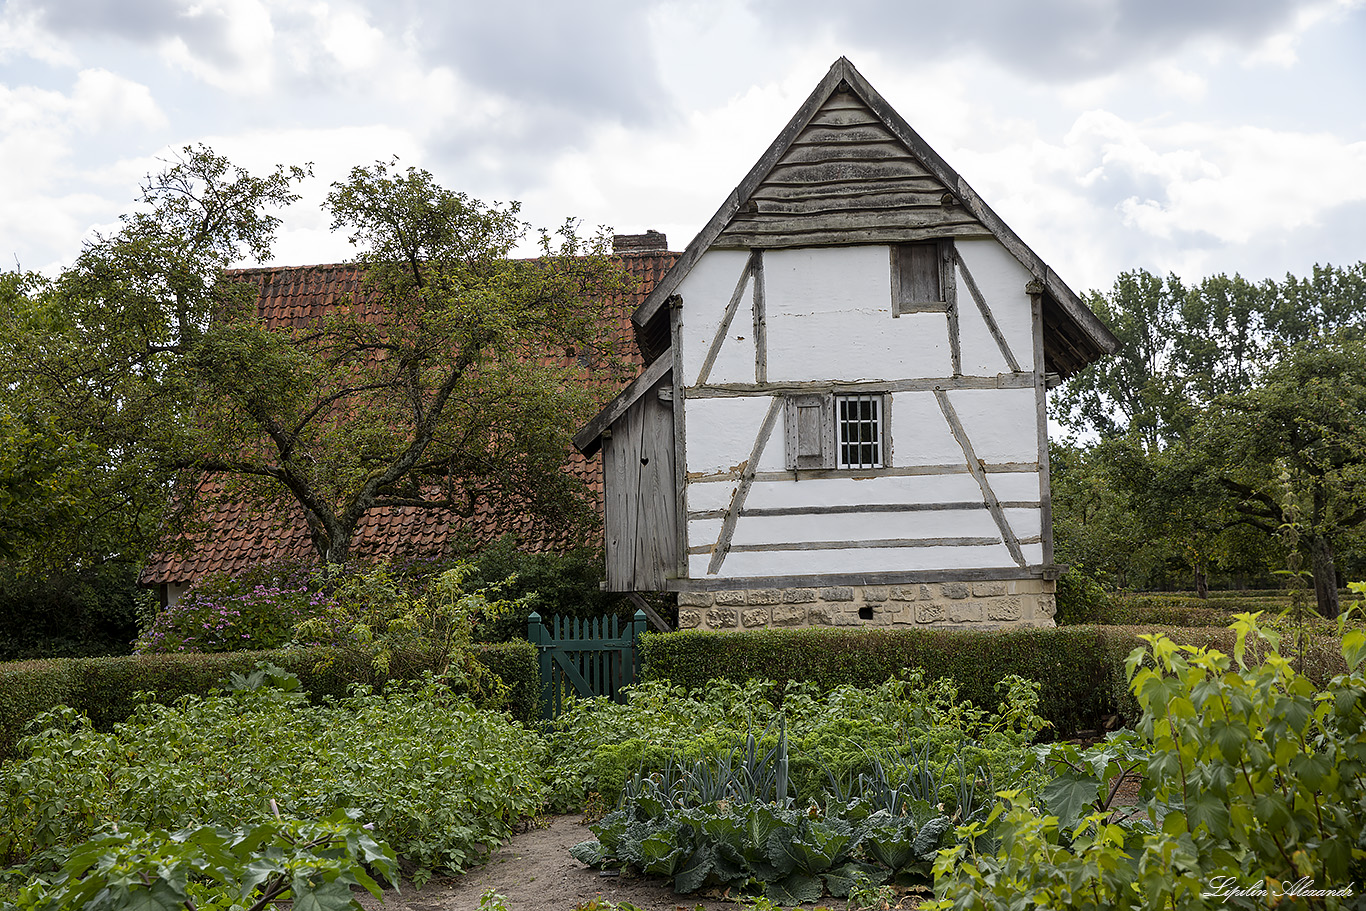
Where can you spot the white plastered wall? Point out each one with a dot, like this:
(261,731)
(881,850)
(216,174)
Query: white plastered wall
(706,291)
(828,319)
(1001,279)
(829,315)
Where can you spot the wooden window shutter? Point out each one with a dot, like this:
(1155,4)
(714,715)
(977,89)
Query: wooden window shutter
(810,422)
(918,277)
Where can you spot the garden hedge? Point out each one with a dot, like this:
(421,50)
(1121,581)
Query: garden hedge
(106,688)
(1086,602)
(1080,668)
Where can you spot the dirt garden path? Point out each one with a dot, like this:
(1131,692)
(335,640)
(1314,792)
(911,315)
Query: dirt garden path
(534,872)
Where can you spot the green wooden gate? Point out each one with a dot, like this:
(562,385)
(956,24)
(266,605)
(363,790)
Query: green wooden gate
(590,657)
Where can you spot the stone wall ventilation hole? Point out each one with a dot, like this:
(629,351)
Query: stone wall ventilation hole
(865,613)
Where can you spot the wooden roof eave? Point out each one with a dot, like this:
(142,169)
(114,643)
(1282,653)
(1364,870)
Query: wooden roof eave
(589,438)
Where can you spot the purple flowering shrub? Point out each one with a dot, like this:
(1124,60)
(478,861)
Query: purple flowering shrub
(257,609)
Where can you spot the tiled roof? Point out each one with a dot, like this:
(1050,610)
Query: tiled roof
(233,534)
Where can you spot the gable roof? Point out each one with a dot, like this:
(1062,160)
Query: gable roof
(848,169)
(232,534)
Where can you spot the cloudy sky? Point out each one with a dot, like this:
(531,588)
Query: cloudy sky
(1194,136)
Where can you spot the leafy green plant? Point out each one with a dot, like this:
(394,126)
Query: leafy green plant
(1254,781)
(311,864)
(440,780)
(866,896)
(378,612)
(690,824)
(832,737)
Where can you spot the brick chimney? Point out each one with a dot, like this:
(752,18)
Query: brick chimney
(649,242)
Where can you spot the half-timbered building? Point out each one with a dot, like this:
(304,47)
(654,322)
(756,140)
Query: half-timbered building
(841,416)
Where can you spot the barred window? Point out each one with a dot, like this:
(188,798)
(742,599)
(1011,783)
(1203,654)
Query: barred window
(859,420)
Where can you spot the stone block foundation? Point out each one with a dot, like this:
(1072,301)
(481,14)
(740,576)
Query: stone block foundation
(922,605)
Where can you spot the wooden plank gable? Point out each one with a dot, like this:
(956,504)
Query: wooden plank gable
(846,178)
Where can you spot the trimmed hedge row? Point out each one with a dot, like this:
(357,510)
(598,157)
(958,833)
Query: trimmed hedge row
(1160,609)
(105,688)
(1080,668)
(1167,610)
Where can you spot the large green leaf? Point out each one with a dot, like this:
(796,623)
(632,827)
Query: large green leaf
(333,896)
(692,873)
(160,897)
(891,840)
(661,854)
(591,853)
(822,844)
(930,834)
(840,880)
(1070,797)
(794,889)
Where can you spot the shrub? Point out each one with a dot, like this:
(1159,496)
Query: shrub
(1165,610)
(440,780)
(1255,781)
(1079,669)
(1080,598)
(76,614)
(379,614)
(546,583)
(106,689)
(256,609)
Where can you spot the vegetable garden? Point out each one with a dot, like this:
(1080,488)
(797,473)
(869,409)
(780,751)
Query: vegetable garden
(1244,768)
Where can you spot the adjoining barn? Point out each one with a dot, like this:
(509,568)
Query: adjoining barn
(842,414)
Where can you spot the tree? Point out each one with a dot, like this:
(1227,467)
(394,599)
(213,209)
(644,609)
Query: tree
(1189,354)
(444,385)
(1292,451)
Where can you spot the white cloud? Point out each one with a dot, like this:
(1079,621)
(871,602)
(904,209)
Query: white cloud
(49,202)
(1282,48)
(1228,182)
(104,101)
(1179,81)
(354,43)
(243,63)
(21,35)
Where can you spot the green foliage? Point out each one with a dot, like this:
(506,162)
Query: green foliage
(311,864)
(439,780)
(1291,452)
(76,612)
(1217,393)
(1253,780)
(107,689)
(547,583)
(1079,669)
(255,609)
(1074,666)
(94,359)
(598,745)
(373,612)
(728,822)
(1080,598)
